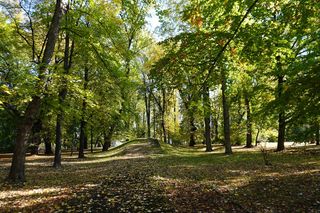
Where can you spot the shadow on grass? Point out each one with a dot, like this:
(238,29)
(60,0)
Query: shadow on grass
(137,177)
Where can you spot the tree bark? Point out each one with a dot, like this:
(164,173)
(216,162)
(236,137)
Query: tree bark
(226,119)
(216,129)
(193,128)
(107,138)
(281,116)
(36,137)
(317,133)
(17,170)
(248,122)
(57,151)
(281,132)
(257,136)
(207,115)
(83,123)
(91,139)
(62,95)
(82,138)
(163,122)
(148,113)
(47,142)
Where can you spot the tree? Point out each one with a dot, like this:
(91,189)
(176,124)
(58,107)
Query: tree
(17,170)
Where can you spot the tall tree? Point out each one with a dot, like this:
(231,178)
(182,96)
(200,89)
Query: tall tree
(17,170)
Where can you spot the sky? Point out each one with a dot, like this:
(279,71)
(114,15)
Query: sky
(153,23)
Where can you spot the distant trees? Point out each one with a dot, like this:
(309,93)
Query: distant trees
(255,51)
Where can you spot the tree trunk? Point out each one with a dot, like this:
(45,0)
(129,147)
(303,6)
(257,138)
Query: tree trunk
(281,132)
(248,122)
(226,120)
(47,143)
(83,134)
(107,138)
(193,128)
(85,140)
(163,122)
(207,115)
(91,139)
(17,170)
(82,138)
(214,126)
(36,137)
(62,95)
(257,136)
(147,105)
(154,120)
(57,151)
(317,133)
(281,116)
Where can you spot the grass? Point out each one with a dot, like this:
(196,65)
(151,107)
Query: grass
(184,179)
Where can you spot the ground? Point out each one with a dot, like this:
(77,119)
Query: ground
(138,177)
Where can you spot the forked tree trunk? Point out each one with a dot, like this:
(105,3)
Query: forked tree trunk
(63,94)
(17,170)
(226,120)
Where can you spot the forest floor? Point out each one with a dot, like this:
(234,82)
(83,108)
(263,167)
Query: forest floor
(138,177)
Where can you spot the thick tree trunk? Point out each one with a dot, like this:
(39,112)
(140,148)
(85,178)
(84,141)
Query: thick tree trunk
(36,137)
(107,138)
(47,143)
(248,122)
(226,120)
(17,170)
(85,140)
(207,115)
(281,132)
